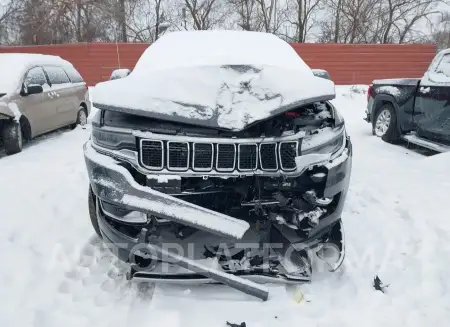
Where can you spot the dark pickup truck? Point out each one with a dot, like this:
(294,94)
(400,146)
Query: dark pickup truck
(414,109)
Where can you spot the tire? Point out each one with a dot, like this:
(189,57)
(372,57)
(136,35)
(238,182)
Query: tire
(385,124)
(81,117)
(93,212)
(12,137)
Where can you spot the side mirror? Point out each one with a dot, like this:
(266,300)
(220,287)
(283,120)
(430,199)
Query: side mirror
(321,73)
(120,73)
(32,89)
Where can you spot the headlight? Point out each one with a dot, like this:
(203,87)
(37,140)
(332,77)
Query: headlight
(113,140)
(327,141)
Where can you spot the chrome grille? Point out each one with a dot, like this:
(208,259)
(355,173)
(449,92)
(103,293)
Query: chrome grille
(225,159)
(203,156)
(268,156)
(152,154)
(287,152)
(247,157)
(222,157)
(177,155)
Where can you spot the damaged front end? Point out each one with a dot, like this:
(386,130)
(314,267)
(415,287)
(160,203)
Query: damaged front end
(185,203)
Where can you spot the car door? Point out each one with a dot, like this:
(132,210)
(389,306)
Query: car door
(78,91)
(432,106)
(62,94)
(36,107)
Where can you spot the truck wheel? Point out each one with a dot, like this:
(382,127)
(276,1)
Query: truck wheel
(93,212)
(12,137)
(385,124)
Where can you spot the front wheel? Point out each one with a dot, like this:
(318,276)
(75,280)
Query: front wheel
(385,124)
(12,137)
(81,117)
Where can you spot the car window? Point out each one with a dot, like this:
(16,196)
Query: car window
(56,75)
(73,74)
(35,76)
(444,66)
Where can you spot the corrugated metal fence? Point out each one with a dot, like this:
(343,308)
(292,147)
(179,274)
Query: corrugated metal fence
(346,63)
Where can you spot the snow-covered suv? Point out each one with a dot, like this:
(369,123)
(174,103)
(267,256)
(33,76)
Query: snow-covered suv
(219,158)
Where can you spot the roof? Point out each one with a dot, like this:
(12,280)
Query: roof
(27,59)
(213,48)
(14,65)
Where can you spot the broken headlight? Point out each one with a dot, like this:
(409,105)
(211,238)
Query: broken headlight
(113,140)
(325,141)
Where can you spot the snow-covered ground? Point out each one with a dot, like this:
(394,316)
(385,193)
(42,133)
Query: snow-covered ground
(54,271)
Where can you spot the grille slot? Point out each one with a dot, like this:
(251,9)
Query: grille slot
(287,152)
(177,155)
(152,156)
(268,156)
(225,158)
(202,156)
(248,156)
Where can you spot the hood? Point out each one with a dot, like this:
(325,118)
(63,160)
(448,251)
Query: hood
(229,97)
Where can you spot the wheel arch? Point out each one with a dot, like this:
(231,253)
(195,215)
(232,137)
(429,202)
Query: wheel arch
(381,100)
(84,105)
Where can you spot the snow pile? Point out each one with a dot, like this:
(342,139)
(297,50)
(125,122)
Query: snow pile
(392,90)
(218,48)
(396,81)
(215,79)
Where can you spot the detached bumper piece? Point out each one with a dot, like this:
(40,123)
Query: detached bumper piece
(232,251)
(114,184)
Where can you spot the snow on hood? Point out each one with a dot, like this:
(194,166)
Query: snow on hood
(219,79)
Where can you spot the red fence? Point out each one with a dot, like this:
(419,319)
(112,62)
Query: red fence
(346,63)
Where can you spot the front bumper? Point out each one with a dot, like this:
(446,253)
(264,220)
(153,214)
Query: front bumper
(113,183)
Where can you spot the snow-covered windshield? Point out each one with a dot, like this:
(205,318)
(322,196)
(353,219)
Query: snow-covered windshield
(219,48)
(439,70)
(444,66)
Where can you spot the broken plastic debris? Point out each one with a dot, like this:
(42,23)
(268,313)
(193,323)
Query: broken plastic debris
(242,324)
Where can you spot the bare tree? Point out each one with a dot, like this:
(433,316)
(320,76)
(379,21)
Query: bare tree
(204,14)
(246,12)
(271,15)
(375,21)
(301,15)
(8,13)
(441,33)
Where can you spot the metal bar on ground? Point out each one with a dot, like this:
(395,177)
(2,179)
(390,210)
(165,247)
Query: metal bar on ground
(240,284)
